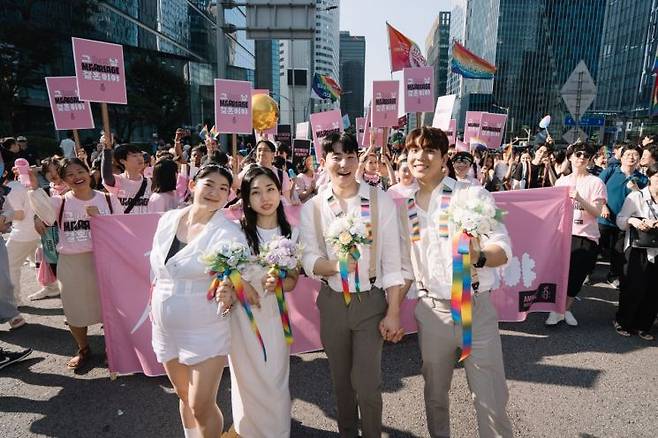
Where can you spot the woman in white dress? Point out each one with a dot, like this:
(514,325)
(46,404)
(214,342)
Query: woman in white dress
(189,338)
(260,396)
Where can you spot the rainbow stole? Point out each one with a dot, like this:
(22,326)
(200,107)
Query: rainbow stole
(334,206)
(280,275)
(236,280)
(461,307)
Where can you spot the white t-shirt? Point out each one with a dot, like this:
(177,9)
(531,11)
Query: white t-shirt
(591,189)
(68,146)
(125,189)
(21,230)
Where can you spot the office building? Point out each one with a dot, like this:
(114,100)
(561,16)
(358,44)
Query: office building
(352,74)
(437,45)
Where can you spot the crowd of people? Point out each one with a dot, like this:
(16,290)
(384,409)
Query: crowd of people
(47,211)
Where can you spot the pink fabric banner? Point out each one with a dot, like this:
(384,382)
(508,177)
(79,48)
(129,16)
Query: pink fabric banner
(535,279)
(452,131)
(323,124)
(385,96)
(99,70)
(492,128)
(360,123)
(472,125)
(419,89)
(69,112)
(232,106)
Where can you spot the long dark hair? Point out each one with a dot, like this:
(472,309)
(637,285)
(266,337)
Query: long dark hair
(250,217)
(164,176)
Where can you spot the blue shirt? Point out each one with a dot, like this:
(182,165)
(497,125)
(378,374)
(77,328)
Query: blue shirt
(616,184)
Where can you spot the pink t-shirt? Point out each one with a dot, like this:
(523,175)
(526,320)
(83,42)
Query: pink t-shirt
(592,189)
(125,189)
(75,229)
(161,202)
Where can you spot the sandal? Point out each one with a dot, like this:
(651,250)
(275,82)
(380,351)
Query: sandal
(17,322)
(79,359)
(620,330)
(646,335)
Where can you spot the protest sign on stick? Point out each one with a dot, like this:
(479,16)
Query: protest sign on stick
(233,111)
(323,124)
(385,103)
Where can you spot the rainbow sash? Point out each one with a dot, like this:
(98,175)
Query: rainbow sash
(280,275)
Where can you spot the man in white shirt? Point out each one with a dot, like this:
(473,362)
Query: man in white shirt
(354,327)
(68,145)
(431,256)
(265,150)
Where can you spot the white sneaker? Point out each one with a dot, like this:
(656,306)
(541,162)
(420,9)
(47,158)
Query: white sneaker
(569,319)
(43,293)
(554,318)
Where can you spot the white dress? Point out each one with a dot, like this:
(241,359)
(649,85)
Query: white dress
(185,323)
(260,396)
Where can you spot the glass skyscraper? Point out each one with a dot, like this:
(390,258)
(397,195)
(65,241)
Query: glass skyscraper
(352,74)
(437,44)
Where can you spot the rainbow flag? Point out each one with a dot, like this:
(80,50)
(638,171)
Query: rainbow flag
(470,66)
(213,132)
(325,87)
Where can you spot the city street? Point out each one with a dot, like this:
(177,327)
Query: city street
(564,382)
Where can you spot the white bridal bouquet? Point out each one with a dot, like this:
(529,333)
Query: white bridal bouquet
(474,212)
(345,233)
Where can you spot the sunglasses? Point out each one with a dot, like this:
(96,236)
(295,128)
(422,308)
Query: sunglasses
(581,154)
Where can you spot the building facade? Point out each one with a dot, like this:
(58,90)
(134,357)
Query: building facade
(352,74)
(437,45)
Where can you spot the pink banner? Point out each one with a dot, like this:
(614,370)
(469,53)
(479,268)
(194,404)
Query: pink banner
(232,106)
(492,128)
(472,125)
(535,279)
(385,103)
(99,70)
(452,131)
(419,89)
(69,112)
(360,123)
(323,124)
(269,133)
(365,140)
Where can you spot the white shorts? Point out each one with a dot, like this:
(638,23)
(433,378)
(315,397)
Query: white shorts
(187,328)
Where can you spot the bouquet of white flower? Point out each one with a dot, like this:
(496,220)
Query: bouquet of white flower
(474,213)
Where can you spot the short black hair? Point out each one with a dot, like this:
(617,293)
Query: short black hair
(348,142)
(64,164)
(218,157)
(653,150)
(631,147)
(214,168)
(581,147)
(428,138)
(268,143)
(122,151)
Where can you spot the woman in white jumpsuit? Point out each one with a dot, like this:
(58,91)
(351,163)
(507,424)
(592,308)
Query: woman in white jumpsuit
(260,396)
(189,338)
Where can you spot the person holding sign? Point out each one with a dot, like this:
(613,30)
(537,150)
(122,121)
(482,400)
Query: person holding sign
(430,241)
(131,187)
(355,314)
(265,150)
(75,264)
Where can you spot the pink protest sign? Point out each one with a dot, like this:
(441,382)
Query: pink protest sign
(472,125)
(323,124)
(385,103)
(69,112)
(452,131)
(99,71)
(492,128)
(360,129)
(443,112)
(365,139)
(232,106)
(301,130)
(268,133)
(418,89)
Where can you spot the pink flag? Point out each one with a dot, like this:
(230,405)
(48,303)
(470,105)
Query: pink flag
(323,124)
(99,71)
(472,125)
(492,128)
(452,131)
(419,89)
(360,129)
(233,106)
(385,103)
(69,112)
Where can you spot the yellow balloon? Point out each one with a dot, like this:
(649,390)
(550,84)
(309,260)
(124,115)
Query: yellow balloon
(264,112)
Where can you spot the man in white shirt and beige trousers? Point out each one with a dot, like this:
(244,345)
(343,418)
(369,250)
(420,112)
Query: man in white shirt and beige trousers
(431,257)
(353,333)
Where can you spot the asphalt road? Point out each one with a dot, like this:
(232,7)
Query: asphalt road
(564,382)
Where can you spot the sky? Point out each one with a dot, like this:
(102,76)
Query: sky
(413,18)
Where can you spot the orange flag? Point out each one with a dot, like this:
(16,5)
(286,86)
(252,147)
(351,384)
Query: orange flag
(404,52)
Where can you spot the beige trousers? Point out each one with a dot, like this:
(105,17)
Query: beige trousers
(19,251)
(439,341)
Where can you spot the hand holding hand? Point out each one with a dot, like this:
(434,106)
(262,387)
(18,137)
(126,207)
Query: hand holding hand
(390,328)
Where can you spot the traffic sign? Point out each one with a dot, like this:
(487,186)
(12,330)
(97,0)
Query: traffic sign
(585,121)
(579,91)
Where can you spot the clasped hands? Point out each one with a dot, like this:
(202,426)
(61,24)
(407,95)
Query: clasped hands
(227,296)
(643,224)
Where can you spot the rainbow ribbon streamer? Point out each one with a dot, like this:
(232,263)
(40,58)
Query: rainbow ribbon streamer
(344,278)
(236,280)
(280,275)
(444,217)
(460,300)
(414,223)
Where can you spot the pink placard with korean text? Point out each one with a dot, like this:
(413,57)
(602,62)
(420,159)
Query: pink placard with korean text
(472,125)
(385,95)
(69,112)
(418,89)
(492,128)
(99,70)
(452,131)
(232,106)
(323,124)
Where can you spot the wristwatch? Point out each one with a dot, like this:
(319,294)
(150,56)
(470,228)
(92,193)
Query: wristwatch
(482,260)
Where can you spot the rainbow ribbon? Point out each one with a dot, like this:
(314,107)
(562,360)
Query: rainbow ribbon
(414,223)
(460,298)
(345,275)
(280,275)
(236,280)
